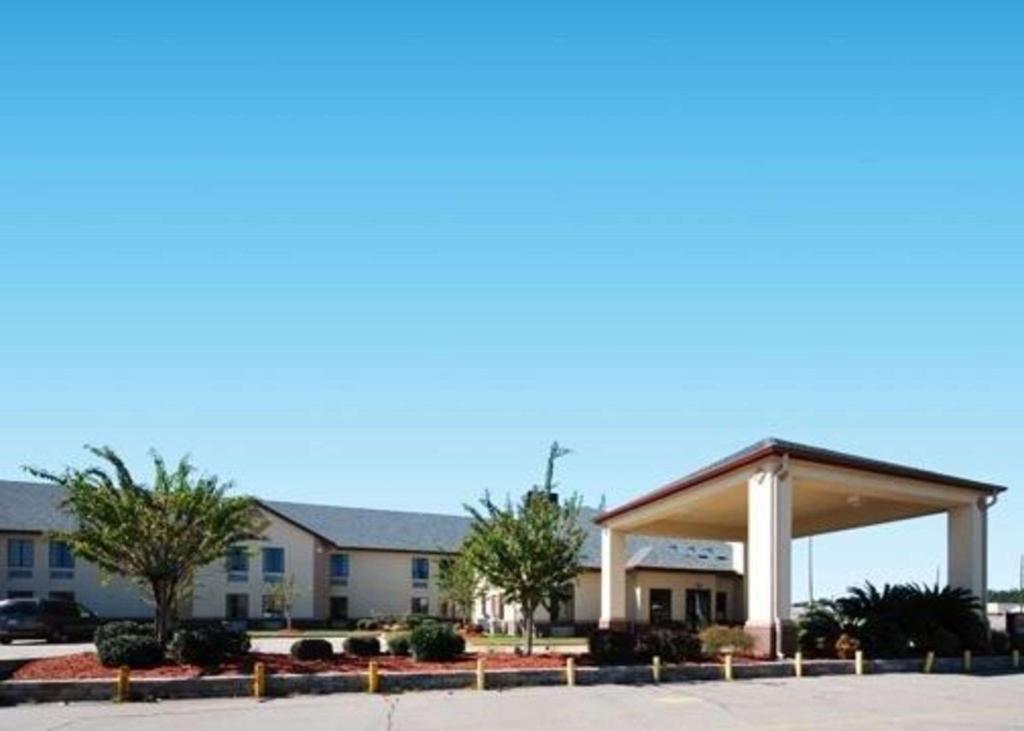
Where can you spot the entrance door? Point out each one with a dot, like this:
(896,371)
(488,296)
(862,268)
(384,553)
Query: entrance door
(661,606)
(698,607)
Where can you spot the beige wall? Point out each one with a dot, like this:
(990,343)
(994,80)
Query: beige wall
(212,585)
(638,585)
(110,597)
(380,583)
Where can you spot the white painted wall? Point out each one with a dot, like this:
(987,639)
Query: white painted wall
(106,596)
(212,585)
(380,583)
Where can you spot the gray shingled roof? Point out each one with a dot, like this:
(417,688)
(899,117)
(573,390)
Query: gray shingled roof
(34,506)
(382,529)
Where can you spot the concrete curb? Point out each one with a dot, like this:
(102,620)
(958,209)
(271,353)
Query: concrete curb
(234,686)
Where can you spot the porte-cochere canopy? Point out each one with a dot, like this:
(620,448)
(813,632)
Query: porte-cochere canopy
(773,491)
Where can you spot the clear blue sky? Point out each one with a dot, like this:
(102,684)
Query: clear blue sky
(382,254)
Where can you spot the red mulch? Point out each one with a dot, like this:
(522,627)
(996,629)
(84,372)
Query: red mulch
(87,665)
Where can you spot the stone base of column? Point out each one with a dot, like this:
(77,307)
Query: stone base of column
(768,644)
(619,624)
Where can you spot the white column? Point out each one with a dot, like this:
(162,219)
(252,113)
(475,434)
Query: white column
(768,551)
(966,548)
(613,578)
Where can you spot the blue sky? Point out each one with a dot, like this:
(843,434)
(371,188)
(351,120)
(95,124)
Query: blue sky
(383,255)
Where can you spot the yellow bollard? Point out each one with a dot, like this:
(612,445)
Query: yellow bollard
(122,686)
(858,662)
(481,679)
(259,680)
(570,671)
(798,664)
(727,666)
(373,678)
(1015,659)
(656,668)
(967,661)
(929,661)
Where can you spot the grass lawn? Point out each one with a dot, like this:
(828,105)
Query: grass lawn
(254,633)
(513,640)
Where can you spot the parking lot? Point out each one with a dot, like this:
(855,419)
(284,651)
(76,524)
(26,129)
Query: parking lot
(839,702)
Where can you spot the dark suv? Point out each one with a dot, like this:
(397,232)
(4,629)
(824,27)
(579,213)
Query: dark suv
(54,620)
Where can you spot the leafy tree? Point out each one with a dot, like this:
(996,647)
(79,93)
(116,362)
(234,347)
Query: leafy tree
(283,595)
(460,584)
(531,550)
(158,536)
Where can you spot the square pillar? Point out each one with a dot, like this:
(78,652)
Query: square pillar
(613,579)
(966,549)
(768,556)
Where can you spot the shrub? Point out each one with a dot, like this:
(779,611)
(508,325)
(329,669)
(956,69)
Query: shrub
(818,629)
(399,643)
(436,641)
(312,649)
(361,645)
(111,630)
(612,646)
(999,643)
(210,645)
(135,651)
(846,646)
(719,639)
(367,624)
(671,645)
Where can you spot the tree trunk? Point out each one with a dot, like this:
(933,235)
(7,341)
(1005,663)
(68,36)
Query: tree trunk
(528,615)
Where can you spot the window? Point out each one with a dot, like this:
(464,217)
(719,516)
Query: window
(420,605)
(62,596)
(339,607)
(698,607)
(721,606)
(237,606)
(238,564)
(273,560)
(660,606)
(273,605)
(339,569)
(15,594)
(62,561)
(420,571)
(564,610)
(20,558)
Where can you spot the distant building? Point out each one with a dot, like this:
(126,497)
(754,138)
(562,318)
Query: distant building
(349,563)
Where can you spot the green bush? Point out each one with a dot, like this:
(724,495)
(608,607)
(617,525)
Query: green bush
(671,645)
(210,645)
(110,630)
(399,643)
(367,624)
(818,630)
(719,639)
(134,651)
(907,619)
(312,649)
(436,641)
(361,645)
(999,643)
(612,646)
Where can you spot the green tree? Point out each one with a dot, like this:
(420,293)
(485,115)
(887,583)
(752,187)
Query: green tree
(531,550)
(283,594)
(460,584)
(156,536)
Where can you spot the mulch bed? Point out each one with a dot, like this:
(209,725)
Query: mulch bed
(86,665)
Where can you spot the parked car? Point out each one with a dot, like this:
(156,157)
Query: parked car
(53,620)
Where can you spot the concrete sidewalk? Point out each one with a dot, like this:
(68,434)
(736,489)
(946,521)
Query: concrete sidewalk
(840,702)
